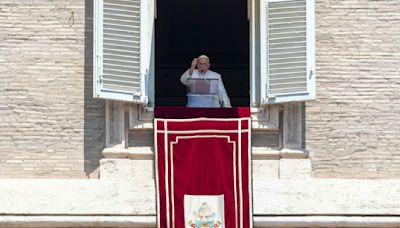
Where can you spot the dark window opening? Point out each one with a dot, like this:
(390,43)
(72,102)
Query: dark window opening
(186,29)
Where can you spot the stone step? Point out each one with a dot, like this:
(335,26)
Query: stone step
(127,163)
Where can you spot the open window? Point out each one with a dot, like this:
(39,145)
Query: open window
(186,29)
(275,50)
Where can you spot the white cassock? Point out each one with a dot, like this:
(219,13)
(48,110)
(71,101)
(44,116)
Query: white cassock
(211,101)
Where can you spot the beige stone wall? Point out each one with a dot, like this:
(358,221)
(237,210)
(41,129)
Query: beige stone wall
(51,127)
(49,124)
(353,128)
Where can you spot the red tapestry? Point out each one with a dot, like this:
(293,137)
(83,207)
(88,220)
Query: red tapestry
(203,172)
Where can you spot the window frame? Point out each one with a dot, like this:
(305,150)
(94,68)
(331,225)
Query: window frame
(257,77)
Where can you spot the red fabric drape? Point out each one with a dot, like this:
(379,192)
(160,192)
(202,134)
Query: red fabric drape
(203,156)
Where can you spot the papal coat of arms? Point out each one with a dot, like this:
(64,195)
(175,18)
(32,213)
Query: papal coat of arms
(204,211)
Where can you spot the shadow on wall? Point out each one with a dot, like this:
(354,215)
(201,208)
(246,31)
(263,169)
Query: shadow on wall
(94,110)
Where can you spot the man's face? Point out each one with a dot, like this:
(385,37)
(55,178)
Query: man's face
(203,65)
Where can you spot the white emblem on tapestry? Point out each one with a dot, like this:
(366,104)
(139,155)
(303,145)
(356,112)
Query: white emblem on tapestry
(204,211)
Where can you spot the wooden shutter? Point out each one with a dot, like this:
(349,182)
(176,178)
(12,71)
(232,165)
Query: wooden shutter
(287,65)
(119,37)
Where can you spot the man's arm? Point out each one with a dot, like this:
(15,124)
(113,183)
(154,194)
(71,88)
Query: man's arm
(184,78)
(189,72)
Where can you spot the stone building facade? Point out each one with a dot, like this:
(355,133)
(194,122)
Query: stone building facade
(51,126)
(70,160)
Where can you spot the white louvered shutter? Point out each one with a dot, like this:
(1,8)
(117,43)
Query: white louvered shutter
(120,58)
(287,42)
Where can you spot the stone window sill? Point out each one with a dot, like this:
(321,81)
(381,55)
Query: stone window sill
(258,153)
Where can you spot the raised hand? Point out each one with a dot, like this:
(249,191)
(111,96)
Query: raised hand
(193,64)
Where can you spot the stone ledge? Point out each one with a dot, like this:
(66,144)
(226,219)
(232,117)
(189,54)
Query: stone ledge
(258,153)
(265,153)
(141,125)
(137,197)
(140,153)
(295,154)
(77,221)
(151,221)
(257,126)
